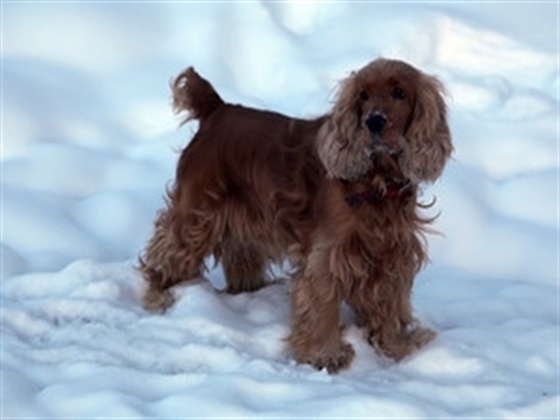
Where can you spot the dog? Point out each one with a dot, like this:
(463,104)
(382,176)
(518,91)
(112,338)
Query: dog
(337,196)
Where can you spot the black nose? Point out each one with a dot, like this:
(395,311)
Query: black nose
(376,122)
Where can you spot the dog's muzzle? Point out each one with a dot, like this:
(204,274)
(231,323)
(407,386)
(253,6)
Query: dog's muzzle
(376,123)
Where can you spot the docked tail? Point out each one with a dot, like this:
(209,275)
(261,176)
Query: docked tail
(195,95)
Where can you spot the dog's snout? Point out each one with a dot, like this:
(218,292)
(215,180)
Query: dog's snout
(376,122)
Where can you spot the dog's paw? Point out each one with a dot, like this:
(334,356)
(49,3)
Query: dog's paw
(334,361)
(419,337)
(399,346)
(158,301)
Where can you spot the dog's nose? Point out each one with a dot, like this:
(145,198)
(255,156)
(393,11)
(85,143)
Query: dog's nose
(376,122)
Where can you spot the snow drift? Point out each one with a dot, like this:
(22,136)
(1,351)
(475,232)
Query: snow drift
(89,143)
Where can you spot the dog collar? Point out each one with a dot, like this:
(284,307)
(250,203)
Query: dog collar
(394,189)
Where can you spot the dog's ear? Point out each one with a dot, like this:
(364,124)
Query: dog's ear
(428,134)
(345,111)
(339,143)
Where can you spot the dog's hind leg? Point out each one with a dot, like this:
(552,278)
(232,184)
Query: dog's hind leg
(175,254)
(244,266)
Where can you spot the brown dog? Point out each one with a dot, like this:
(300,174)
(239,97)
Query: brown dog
(336,195)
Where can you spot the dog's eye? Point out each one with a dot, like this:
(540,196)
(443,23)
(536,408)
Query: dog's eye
(399,93)
(364,96)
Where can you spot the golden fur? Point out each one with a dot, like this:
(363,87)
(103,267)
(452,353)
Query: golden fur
(336,195)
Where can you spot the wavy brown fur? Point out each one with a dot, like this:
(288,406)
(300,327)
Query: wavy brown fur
(255,187)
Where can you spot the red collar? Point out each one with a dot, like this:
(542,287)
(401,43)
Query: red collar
(394,189)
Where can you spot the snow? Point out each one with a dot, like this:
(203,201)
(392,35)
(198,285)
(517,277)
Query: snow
(89,144)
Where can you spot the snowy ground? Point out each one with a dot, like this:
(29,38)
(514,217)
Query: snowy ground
(89,143)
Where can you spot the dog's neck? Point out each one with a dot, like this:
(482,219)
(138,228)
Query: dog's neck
(379,191)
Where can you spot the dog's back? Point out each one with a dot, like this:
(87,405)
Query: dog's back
(256,171)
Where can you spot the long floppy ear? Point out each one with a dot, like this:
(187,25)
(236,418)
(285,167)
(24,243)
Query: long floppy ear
(428,135)
(345,110)
(340,141)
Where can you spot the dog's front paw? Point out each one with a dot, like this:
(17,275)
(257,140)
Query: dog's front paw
(399,346)
(420,336)
(158,301)
(335,360)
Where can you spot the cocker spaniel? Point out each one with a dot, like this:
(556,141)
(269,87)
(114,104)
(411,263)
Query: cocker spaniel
(335,195)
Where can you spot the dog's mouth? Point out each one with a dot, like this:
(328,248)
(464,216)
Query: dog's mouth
(379,145)
(385,158)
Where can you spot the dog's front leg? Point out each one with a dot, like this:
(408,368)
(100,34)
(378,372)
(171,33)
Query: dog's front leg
(391,327)
(316,332)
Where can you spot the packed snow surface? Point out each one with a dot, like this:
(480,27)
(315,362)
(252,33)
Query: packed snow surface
(89,144)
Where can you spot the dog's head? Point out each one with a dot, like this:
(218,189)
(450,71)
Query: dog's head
(389,109)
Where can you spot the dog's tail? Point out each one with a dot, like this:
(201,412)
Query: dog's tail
(195,95)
